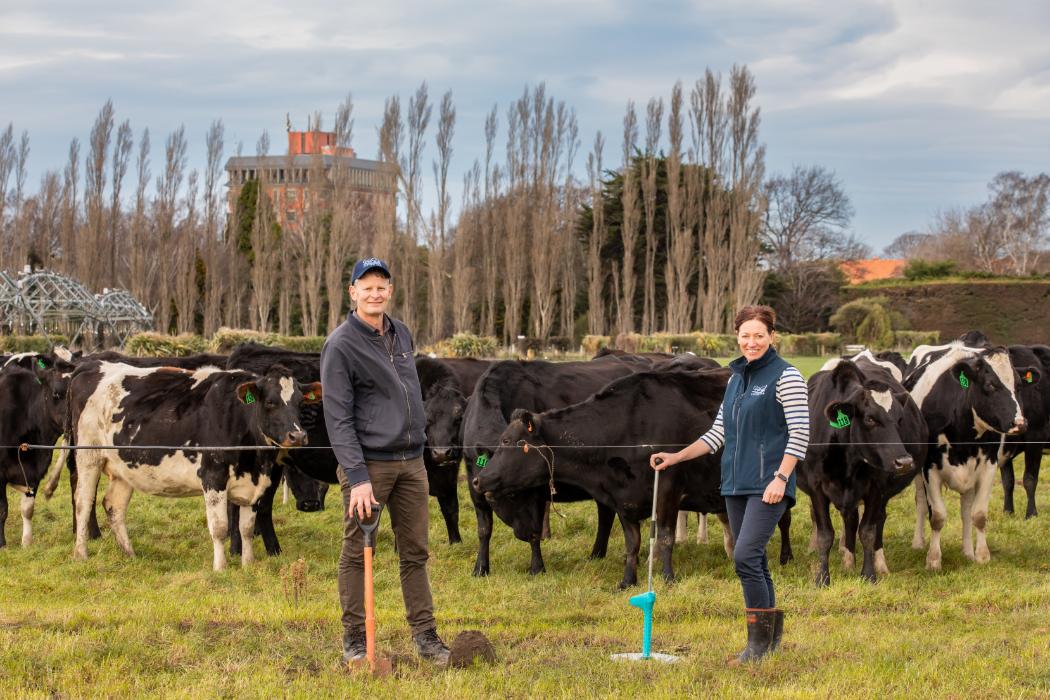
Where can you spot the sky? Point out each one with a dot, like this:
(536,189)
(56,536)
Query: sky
(915,105)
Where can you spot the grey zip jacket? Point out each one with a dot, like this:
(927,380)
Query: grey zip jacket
(373,406)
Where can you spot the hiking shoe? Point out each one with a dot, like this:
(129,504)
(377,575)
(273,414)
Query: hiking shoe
(355,645)
(430,647)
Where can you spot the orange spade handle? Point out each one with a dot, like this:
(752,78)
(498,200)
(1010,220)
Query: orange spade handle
(370,611)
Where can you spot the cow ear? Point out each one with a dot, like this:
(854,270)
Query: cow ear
(312,393)
(248,393)
(964,372)
(528,420)
(1029,375)
(840,414)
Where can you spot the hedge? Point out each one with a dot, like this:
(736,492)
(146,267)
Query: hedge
(10,344)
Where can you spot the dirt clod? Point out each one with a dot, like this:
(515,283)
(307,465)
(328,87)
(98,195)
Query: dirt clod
(469,647)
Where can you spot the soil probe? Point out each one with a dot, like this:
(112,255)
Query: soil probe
(378,666)
(645,601)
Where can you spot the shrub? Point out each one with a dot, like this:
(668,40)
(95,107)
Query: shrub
(909,340)
(30,343)
(593,343)
(159,345)
(225,339)
(929,269)
(468,345)
(809,343)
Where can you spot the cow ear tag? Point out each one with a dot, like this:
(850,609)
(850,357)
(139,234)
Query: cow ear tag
(249,397)
(41,365)
(1028,377)
(310,396)
(530,427)
(525,448)
(963,381)
(841,421)
(482,460)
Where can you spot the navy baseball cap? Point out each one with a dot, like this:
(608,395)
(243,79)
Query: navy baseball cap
(367,265)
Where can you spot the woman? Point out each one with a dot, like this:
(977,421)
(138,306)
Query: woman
(764,426)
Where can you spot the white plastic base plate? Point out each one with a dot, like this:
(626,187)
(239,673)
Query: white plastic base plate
(663,658)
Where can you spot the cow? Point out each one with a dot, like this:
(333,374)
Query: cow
(129,407)
(537,386)
(1034,394)
(185,362)
(32,412)
(308,472)
(869,456)
(602,446)
(967,396)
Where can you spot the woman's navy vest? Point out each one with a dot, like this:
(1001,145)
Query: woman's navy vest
(756,431)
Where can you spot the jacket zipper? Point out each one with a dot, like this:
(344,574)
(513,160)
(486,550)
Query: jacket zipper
(762,461)
(736,426)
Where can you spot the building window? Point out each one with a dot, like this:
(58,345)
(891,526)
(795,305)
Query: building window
(290,216)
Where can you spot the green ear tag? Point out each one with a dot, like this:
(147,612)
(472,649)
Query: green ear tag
(841,421)
(963,381)
(310,396)
(249,398)
(482,460)
(1028,377)
(40,364)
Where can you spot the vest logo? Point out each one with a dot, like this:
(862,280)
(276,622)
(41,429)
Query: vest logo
(759,390)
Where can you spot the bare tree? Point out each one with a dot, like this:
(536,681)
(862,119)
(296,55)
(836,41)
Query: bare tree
(465,249)
(514,214)
(186,252)
(1019,208)
(142,264)
(417,121)
(265,247)
(89,261)
(70,177)
(18,247)
(7,164)
(653,122)
(437,238)
(629,225)
(680,254)
(806,217)
(391,142)
(348,217)
(490,246)
(169,184)
(595,238)
(121,155)
(216,265)
(45,220)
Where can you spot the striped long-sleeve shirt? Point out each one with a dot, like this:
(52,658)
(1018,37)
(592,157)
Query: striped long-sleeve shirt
(792,394)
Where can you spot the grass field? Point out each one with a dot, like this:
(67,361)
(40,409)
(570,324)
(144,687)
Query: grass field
(164,624)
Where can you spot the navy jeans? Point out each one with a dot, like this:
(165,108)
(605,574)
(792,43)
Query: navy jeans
(752,523)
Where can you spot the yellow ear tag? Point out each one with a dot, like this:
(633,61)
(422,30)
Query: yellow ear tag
(525,448)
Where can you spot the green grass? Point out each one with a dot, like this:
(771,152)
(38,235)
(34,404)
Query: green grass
(164,624)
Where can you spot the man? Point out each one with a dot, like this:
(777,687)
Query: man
(373,408)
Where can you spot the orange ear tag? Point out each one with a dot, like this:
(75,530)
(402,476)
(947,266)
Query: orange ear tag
(530,427)
(525,448)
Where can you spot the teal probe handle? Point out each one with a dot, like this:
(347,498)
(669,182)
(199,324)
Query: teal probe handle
(645,602)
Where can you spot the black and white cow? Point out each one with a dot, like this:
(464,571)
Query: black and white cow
(968,397)
(116,404)
(1034,393)
(32,412)
(867,457)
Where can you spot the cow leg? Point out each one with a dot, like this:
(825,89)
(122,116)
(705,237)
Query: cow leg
(71,466)
(966,511)
(246,526)
(536,565)
(88,471)
(3,513)
(546,533)
(484,519)
(728,543)
(1033,455)
(115,503)
(449,503)
(218,526)
(701,528)
(667,520)
(27,506)
(812,542)
(233,515)
(938,516)
(632,539)
(981,500)
(880,554)
(869,526)
(681,531)
(786,553)
(262,515)
(848,541)
(1006,473)
(922,511)
(819,509)
(606,515)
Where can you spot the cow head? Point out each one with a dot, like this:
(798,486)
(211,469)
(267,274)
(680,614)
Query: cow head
(309,492)
(521,461)
(274,402)
(53,375)
(987,382)
(869,417)
(444,411)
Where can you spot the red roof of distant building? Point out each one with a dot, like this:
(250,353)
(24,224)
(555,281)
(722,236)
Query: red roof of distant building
(859,271)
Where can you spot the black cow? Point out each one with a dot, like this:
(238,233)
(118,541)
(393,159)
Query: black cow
(639,412)
(308,472)
(537,386)
(32,411)
(870,456)
(967,396)
(186,362)
(1034,394)
(116,404)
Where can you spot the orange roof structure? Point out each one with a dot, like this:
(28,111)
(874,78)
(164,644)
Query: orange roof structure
(860,271)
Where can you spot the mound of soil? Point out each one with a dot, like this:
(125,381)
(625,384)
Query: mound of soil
(470,646)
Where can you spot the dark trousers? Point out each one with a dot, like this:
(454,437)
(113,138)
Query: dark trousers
(401,487)
(752,523)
